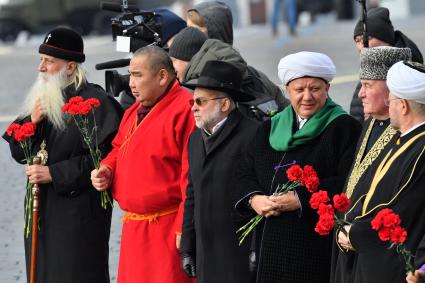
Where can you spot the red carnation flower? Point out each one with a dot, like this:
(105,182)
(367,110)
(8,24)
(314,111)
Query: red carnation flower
(28,129)
(93,102)
(65,108)
(12,128)
(391,220)
(325,224)
(384,233)
(325,209)
(377,222)
(318,198)
(310,179)
(19,135)
(84,108)
(294,173)
(74,109)
(341,202)
(398,235)
(75,100)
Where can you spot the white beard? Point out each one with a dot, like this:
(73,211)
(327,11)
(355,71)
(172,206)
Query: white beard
(48,88)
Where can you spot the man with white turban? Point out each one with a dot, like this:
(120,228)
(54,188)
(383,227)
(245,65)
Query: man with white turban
(314,131)
(397,183)
(373,143)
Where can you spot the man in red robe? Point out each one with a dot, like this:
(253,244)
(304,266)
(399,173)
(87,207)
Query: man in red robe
(147,170)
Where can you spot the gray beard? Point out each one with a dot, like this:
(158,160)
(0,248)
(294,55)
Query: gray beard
(48,88)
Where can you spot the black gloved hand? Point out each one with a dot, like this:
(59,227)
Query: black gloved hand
(188,264)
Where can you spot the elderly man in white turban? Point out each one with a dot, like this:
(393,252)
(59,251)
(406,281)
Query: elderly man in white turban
(398,183)
(314,131)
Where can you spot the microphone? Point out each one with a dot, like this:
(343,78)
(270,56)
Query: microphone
(113,64)
(113,7)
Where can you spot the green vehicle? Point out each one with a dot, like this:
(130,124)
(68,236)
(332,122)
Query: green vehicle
(37,16)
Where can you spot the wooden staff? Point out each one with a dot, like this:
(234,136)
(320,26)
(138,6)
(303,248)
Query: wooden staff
(40,159)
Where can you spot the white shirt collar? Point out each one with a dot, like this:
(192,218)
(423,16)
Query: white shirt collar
(301,122)
(412,129)
(216,127)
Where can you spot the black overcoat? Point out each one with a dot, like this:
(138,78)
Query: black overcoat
(288,247)
(74,228)
(401,189)
(209,223)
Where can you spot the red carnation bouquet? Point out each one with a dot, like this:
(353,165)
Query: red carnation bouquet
(297,176)
(327,217)
(80,109)
(22,134)
(387,224)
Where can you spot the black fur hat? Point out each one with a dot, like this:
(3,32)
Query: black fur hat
(63,43)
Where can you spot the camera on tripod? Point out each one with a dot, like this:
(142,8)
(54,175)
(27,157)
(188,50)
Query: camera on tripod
(133,29)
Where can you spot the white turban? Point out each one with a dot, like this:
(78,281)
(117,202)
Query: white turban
(305,64)
(407,82)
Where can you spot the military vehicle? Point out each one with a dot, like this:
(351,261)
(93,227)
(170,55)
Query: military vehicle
(38,16)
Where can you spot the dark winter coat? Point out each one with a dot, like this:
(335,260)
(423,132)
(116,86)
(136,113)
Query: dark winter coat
(74,228)
(209,223)
(289,250)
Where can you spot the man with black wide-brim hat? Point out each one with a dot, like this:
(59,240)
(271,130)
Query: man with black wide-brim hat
(209,246)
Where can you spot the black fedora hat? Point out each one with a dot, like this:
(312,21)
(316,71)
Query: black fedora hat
(222,76)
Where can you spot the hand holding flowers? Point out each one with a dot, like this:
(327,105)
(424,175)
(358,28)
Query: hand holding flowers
(79,109)
(281,200)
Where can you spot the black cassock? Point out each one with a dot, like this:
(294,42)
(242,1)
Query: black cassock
(402,189)
(74,228)
(371,148)
(288,248)
(209,223)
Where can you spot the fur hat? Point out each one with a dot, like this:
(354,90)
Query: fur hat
(375,62)
(222,76)
(378,25)
(63,43)
(187,43)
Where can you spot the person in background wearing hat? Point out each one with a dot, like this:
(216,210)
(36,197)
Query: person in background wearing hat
(381,33)
(147,170)
(170,25)
(209,226)
(314,131)
(397,183)
(374,141)
(73,228)
(185,45)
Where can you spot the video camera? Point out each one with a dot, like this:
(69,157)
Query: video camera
(133,29)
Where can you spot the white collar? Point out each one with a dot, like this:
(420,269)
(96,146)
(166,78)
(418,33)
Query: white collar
(412,129)
(301,122)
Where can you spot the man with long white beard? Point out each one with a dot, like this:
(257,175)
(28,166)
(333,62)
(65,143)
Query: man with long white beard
(73,227)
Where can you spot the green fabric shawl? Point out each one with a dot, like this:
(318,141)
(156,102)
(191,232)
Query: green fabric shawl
(283,139)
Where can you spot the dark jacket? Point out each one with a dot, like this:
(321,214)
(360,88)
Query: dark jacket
(401,40)
(288,248)
(268,96)
(74,228)
(209,223)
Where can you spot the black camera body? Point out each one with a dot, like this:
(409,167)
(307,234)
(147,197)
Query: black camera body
(131,29)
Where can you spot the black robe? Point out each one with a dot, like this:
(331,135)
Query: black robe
(209,223)
(371,148)
(401,189)
(74,228)
(288,247)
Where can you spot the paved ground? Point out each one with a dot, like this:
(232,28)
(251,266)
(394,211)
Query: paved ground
(257,46)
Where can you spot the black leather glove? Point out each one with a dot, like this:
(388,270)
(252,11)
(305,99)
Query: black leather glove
(188,264)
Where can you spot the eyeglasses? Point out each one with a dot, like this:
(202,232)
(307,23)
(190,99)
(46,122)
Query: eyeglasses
(200,101)
(387,100)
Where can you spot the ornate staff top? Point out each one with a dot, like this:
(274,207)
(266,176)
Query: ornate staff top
(42,155)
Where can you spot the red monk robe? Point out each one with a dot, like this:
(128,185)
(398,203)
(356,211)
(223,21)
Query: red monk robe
(149,165)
